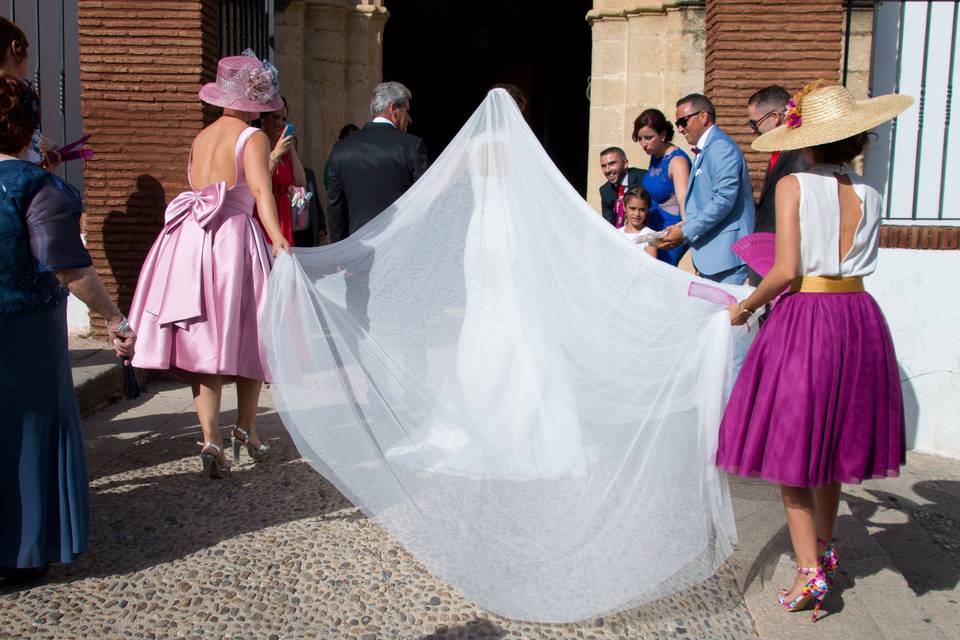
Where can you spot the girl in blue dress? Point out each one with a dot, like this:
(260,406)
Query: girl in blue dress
(666,179)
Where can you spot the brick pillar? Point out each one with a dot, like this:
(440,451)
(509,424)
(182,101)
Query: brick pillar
(141,65)
(754,44)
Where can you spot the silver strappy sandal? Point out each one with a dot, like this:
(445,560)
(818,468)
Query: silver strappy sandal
(241,438)
(215,465)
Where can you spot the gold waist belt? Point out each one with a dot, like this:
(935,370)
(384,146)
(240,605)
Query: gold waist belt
(827,284)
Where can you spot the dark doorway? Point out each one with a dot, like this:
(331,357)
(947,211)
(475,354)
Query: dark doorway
(450,53)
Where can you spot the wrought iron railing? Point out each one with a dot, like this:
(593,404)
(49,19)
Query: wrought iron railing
(51,29)
(247,24)
(916,158)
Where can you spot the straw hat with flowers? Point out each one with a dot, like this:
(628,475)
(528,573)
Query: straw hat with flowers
(820,115)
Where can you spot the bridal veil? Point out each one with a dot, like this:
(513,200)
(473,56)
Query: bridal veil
(524,400)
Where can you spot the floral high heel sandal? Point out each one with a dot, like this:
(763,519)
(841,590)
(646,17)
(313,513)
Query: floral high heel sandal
(829,559)
(815,590)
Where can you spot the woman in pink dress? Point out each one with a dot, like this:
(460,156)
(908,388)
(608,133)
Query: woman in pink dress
(204,280)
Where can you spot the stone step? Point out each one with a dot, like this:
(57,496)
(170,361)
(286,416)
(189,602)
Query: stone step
(97,375)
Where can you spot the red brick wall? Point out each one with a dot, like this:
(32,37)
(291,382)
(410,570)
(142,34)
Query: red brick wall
(917,237)
(751,45)
(141,65)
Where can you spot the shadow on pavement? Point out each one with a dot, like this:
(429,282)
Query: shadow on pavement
(920,541)
(478,629)
(150,506)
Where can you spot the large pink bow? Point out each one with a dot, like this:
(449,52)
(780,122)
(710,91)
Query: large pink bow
(177,292)
(202,205)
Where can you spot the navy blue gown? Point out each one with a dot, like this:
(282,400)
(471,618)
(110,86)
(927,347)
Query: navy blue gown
(44,491)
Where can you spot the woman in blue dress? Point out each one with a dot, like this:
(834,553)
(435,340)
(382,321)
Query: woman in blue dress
(44,495)
(666,179)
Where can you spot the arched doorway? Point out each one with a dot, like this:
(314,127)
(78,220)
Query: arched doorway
(450,53)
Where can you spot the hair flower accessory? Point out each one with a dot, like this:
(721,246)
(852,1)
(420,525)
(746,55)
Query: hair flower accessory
(261,84)
(793,117)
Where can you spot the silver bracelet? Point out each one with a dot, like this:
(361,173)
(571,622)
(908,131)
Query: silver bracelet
(121,327)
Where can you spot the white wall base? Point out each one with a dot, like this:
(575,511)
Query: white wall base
(78,317)
(919,292)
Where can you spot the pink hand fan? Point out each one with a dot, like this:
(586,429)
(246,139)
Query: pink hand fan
(716,295)
(757,250)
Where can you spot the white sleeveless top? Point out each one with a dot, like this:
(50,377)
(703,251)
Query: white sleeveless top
(820,224)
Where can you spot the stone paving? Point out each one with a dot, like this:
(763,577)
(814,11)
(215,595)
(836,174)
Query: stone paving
(277,552)
(273,552)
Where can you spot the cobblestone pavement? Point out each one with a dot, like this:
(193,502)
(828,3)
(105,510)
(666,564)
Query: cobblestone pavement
(273,552)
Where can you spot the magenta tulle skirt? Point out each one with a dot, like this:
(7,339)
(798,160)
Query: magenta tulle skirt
(818,398)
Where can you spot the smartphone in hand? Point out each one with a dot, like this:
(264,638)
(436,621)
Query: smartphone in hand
(289,129)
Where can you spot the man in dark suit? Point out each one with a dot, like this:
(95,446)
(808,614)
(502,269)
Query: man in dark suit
(620,178)
(373,167)
(766,109)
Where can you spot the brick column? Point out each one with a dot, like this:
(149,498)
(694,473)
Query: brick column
(141,65)
(754,44)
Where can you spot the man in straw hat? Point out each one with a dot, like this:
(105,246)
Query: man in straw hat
(719,200)
(818,400)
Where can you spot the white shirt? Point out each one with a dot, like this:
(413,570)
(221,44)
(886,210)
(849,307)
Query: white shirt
(640,238)
(702,142)
(383,120)
(820,224)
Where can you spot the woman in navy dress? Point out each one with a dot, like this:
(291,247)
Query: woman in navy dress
(44,495)
(666,179)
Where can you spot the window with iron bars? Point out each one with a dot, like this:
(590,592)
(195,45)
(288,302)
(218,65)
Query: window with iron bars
(914,159)
(247,24)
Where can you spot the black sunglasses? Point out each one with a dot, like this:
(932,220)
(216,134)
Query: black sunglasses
(755,124)
(682,122)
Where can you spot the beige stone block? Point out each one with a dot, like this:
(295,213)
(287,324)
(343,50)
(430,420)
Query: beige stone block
(609,57)
(607,127)
(644,90)
(605,92)
(608,30)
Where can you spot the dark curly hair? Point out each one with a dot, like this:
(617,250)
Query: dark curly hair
(654,119)
(11,34)
(19,114)
(841,151)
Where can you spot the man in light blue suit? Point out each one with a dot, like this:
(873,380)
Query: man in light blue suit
(719,202)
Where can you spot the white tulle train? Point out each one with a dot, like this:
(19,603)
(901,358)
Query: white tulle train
(523,400)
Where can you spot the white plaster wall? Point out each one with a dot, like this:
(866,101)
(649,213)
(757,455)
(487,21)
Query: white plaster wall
(919,292)
(78,316)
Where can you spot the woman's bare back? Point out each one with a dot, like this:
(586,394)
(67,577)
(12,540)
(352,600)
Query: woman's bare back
(851,212)
(214,153)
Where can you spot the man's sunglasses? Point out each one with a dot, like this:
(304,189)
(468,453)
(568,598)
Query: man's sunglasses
(682,122)
(755,124)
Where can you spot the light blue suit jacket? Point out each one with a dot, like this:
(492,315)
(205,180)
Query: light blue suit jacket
(719,204)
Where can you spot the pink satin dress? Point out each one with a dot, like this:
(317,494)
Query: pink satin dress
(203,282)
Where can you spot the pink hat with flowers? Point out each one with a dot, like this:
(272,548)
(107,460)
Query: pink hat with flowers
(244,83)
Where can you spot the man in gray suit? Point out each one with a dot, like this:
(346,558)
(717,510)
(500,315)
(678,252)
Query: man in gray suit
(719,202)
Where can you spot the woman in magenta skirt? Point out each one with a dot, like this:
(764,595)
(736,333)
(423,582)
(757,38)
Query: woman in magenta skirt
(818,401)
